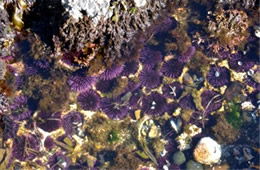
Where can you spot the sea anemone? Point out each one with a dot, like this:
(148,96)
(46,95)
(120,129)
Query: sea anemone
(149,78)
(187,55)
(240,63)
(113,108)
(150,58)
(71,121)
(112,72)
(89,100)
(173,90)
(58,161)
(49,122)
(172,68)
(153,104)
(210,100)
(24,146)
(80,83)
(106,86)
(130,68)
(49,143)
(218,76)
(186,102)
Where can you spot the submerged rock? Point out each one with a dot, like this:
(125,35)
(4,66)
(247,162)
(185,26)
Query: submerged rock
(192,165)
(207,151)
(179,158)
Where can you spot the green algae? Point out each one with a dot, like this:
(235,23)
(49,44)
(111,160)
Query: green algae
(233,116)
(113,136)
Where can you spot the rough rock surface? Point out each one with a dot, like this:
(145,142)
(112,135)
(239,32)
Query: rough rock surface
(112,34)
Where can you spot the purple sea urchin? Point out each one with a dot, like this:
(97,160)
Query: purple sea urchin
(218,76)
(89,100)
(149,78)
(25,147)
(150,58)
(49,122)
(112,72)
(106,86)
(80,83)
(71,121)
(49,143)
(211,101)
(130,68)
(153,104)
(172,68)
(240,63)
(113,108)
(19,101)
(186,102)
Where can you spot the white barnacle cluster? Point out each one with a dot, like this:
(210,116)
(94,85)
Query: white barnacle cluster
(95,9)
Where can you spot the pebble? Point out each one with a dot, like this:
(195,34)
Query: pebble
(207,151)
(179,158)
(192,165)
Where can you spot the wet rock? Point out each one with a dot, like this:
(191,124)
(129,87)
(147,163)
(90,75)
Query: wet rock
(233,91)
(192,165)
(207,151)
(179,158)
